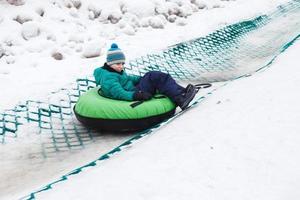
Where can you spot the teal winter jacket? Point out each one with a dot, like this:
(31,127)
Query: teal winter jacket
(116,85)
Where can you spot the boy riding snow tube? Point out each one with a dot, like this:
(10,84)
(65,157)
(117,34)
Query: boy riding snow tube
(112,110)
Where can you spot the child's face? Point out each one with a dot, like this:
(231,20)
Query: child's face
(118,67)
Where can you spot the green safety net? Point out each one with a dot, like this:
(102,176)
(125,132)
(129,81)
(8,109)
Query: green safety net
(226,54)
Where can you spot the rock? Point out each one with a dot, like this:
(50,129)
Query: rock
(91,15)
(217,6)
(172,18)
(68,3)
(40,11)
(1,51)
(173,8)
(161,9)
(51,37)
(103,18)
(112,16)
(22,18)
(185,10)
(95,10)
(115,16)
(132,19)
(194,8)
(57,56)
(16,2)
(76,3)
(11,40)
(10,59)
(123,7)
(200,4)
(30,30)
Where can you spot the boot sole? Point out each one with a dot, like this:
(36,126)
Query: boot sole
(188,101)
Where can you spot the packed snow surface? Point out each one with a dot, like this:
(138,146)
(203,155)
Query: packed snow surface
(240,143)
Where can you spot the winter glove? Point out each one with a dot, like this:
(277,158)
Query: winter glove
(140,96)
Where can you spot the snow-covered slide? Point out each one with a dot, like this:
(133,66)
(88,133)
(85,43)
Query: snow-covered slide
(55,143)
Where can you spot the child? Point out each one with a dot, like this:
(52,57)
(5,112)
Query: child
(116,84)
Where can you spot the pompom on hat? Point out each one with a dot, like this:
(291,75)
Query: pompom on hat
(115,55)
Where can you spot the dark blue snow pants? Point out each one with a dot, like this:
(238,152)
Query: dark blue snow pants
(163,83)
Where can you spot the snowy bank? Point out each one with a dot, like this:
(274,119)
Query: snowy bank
(55,42)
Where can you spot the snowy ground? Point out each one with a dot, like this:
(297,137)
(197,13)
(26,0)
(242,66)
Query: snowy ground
(242,141)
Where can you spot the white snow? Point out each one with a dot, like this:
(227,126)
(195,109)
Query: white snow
(181,22)
(93,48)
(240,143)
(141,8)
(58,31)
(156,22)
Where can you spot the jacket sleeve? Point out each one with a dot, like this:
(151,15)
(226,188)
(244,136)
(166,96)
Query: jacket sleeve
(96,76)
(134,78)
(117,91)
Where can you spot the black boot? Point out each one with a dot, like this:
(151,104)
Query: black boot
(188,88)
(184,99)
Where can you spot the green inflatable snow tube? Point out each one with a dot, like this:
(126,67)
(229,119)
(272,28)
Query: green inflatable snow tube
(106,114)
